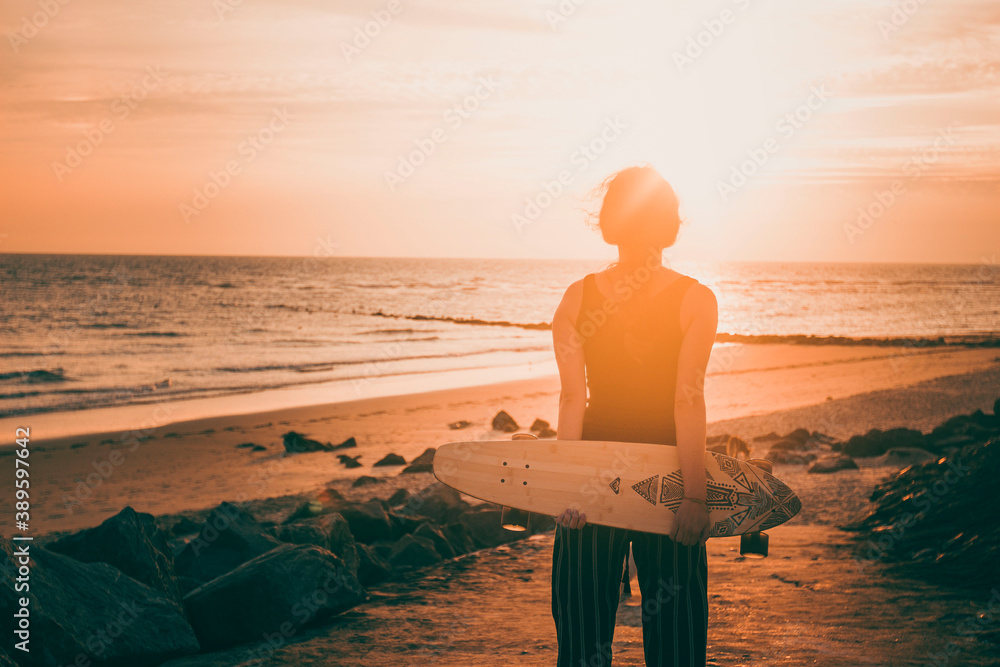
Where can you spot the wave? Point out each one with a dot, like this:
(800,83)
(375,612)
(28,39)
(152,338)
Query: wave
(157,334)
(36,377)
(535,326)
(970,340)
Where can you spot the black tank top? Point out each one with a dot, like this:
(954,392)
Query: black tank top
(631,349)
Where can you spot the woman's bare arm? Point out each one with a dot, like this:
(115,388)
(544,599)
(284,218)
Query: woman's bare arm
(691,524)
(573,379)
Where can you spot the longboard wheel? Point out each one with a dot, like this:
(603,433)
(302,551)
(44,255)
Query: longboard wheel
(514,519)
(753,545)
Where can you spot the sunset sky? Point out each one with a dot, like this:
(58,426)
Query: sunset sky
(278,128)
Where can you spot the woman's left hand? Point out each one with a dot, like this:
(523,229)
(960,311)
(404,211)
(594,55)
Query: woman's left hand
(691,525)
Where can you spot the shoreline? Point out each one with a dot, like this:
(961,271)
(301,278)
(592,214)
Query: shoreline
(193,465)
(728,359)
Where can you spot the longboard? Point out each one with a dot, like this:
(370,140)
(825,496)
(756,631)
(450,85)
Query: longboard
(637,486)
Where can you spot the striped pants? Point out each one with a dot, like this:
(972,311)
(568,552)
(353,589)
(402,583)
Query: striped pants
(587,566)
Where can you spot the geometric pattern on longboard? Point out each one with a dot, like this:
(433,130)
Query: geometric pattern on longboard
(718,496)
(647,488)
(784,504)
(616,485)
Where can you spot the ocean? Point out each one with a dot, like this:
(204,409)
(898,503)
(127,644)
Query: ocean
(80,331)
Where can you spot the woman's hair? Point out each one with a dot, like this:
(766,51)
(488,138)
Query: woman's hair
(639,207)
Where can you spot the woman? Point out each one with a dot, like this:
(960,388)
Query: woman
(638,335)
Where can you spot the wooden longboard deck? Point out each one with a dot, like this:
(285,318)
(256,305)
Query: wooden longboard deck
(637,486)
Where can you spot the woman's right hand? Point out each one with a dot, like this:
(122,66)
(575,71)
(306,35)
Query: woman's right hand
(572,519)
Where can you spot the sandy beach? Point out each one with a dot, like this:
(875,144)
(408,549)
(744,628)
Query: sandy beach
(811,602)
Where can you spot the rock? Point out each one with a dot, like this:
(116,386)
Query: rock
(403,523)
(539,425)
(455,426)
(799,435)
(904,456)
(349,461)
(459,538)
(246,445)
(258,448)
(441,543)
(787,444)
(365,480)
(937,519)
(372,568)
(72,605)
(546,433)
(877,442)
(483,525)
(390,460)
(833,464)
(398,497)
(296,443)
(504,423)
(412,551)
(786,456)
(281,591)
(131,542)
(368,521)
(423,463)
(437,502)
(996,409)
(350,443)
(188,584)
(228,538)
(330,531)
(185,526)
(770,437)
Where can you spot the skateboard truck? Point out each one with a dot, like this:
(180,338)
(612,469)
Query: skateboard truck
(754,545)
(512,518)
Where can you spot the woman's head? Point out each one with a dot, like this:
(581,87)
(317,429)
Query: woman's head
(639,209)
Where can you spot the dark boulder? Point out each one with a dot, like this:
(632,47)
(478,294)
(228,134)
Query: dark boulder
(547,433)
(372,568)
(539,425)
(412,551)
(438,502)
(483,525)
(790,457)
(441,543)
(833,464)
(131,542)
(770,437)
(89,613)
(423,463)
(281,591)
(877,442)
(398,497)
(504,423)
(329,531)
(185,526)
(349,461)
(350,443)
(365,480)
(228,538)
(368,521)
(799,435)
(459,538)
(455,426)
(296,443)
(787,445)
(390,460)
